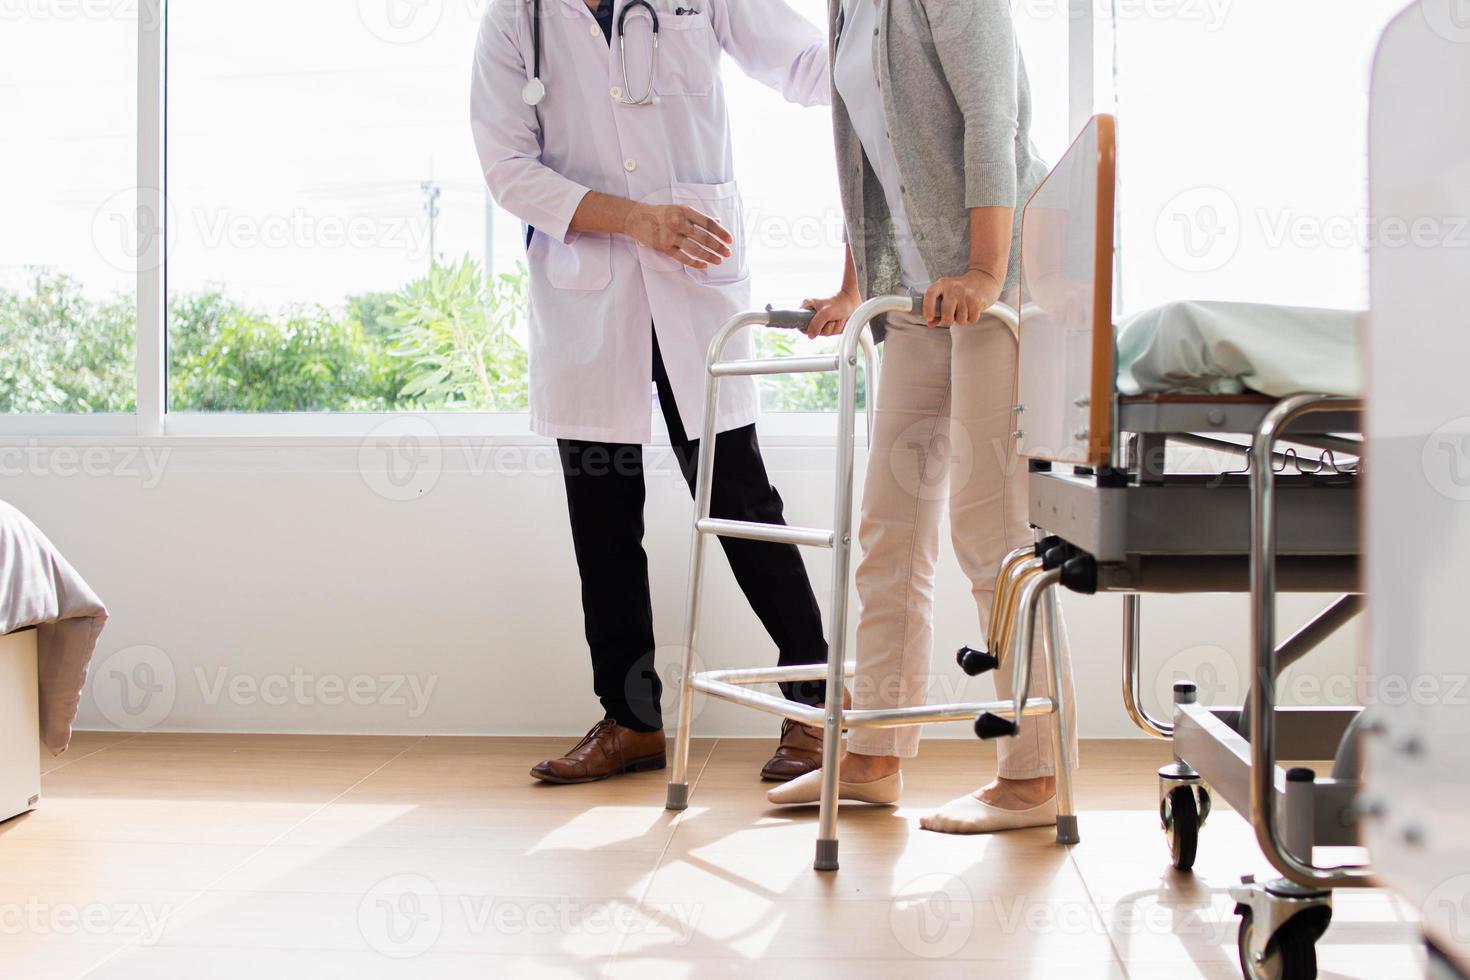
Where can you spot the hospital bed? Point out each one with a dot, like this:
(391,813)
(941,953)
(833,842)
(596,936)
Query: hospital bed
(1115,518)
(1417,822)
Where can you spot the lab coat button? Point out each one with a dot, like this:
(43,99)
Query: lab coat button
(617,92)
(594,30)
(630,165)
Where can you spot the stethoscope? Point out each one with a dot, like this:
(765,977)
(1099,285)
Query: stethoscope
(535,90)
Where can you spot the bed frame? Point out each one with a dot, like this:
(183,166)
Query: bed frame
(20,725)
(1114,518)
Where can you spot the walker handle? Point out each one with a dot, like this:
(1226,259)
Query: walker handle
(789,319)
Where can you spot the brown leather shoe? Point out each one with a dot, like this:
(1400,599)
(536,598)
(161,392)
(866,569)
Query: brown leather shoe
(799,753)
(608,749)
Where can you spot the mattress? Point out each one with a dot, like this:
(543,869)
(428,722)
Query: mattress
(1218,348)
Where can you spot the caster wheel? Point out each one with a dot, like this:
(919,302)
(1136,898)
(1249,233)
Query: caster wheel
(1291,954)
(1182,818)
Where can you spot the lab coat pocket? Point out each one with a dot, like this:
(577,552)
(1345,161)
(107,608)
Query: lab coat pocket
(583,262)
(688,55)
(721,202)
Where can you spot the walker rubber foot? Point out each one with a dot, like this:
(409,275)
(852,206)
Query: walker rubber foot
(975,662)
(826,855)
(678,797)
(989,726)
(1067,830)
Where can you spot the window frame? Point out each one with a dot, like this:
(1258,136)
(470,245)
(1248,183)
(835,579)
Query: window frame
(153,421)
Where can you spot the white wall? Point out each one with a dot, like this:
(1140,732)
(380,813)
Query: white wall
(253,586)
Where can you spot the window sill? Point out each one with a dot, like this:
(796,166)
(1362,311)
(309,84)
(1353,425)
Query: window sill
(787,429)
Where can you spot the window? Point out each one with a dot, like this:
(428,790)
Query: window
(68,259)
(1242,142)
(332,248)
(332,230)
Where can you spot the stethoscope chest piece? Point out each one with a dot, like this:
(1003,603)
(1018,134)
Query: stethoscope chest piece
(534,92)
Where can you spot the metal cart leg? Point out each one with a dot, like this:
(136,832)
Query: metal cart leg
(1133,668)
(1051,646)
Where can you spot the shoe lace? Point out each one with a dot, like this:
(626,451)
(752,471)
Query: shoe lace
(592,734)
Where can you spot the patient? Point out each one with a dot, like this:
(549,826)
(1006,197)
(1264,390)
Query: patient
(938,91)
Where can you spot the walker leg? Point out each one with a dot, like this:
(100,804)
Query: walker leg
(826,859)
(678,796)
(1067,832)
(831,761)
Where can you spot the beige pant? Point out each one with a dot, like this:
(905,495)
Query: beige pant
(942,437)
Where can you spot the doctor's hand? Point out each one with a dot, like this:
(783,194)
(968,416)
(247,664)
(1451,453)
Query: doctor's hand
(831,314)
(958,300)
(681,233)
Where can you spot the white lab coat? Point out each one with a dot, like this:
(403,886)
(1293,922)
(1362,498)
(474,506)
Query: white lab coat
(593,296)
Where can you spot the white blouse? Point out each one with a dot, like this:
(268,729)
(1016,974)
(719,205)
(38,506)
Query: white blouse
(857,84)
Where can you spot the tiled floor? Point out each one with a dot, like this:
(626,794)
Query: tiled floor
(192,856)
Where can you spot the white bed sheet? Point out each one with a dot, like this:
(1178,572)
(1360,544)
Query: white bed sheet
(1223,348)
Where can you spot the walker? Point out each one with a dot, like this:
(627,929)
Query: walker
(1027,580)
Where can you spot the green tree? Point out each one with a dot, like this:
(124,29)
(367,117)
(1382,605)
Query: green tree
(455,328)
(61,352)
(225,357)
(800,392)
(448,340)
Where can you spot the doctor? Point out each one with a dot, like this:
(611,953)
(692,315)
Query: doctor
(602,125)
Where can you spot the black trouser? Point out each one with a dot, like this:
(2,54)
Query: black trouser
(605,496)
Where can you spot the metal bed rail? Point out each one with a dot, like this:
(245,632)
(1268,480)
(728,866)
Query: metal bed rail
(1295,866)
